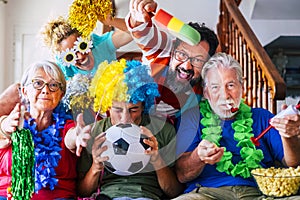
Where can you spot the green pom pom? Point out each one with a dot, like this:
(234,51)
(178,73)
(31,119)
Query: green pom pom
(22,165)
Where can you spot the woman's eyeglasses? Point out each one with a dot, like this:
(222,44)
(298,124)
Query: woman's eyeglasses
(39,84)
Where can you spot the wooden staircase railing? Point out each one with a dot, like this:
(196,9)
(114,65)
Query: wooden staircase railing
(263,85)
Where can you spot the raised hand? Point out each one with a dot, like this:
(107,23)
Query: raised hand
(287,122)
(11,122)
(152,142)
(288,126)
(97,151)
(141,10)
(83,134)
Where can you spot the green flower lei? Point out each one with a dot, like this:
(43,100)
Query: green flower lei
(251,157)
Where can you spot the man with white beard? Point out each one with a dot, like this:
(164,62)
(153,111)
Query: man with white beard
(215,148)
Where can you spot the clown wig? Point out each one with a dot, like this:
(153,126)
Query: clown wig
(128,81)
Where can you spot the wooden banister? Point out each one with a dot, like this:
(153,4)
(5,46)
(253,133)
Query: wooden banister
(263,85)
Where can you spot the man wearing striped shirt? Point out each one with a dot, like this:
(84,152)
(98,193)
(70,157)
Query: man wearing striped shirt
(175,65)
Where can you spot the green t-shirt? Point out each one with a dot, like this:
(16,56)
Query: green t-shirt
(145,183)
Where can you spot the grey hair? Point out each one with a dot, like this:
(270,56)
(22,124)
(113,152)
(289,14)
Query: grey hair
(222,60)
(50,68)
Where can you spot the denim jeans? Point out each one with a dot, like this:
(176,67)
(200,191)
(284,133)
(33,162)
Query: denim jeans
(228,192)
(231,192)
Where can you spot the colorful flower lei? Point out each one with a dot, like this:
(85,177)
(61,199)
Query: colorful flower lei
(47,150)
(83,14)
(251,157)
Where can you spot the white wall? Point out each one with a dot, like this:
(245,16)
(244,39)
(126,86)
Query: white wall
(21,20)
(2,43)
(268,30)
(206,11)
(24,18)
(186,10)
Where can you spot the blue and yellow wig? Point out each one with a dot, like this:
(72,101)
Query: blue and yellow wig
(127,81)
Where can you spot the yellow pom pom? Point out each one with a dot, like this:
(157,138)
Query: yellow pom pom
(80,102)
(83,14)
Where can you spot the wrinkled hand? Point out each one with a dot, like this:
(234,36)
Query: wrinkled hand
(9,98)
(97,151)
(288,126)
(141,10)
(209,153)
(152,142)
(83,134)
(10,124)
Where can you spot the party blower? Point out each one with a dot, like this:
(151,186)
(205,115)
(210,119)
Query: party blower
(291,109)
(177,27)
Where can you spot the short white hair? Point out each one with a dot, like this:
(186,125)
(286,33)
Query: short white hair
(50,68)
(222,60)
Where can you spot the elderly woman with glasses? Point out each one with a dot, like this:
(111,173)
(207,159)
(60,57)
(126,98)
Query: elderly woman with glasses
(43,85)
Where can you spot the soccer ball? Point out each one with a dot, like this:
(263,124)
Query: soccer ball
(126,149)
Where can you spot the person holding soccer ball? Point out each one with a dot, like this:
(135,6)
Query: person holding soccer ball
(127,90)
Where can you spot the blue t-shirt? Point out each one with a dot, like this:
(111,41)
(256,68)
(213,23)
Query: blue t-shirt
(189,136)
(103,49)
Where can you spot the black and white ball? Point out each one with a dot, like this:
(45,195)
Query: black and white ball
(126,149)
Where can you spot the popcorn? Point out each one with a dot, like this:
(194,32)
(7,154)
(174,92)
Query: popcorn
(277,182)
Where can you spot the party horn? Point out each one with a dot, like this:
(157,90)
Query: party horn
(177,27)
(292,109)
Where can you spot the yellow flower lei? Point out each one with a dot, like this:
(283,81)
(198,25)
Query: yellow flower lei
(83,14)
(251,157)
